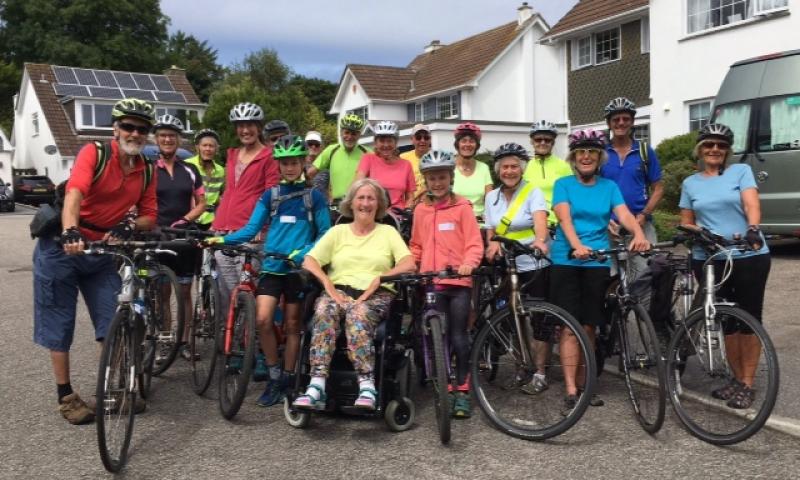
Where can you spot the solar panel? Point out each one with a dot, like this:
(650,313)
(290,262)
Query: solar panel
(85,77)
(170,97)
(140,94)
(105,78)
(104,92)
(71,90)
(65,75)
(143,81)
(125,80)
(162,83)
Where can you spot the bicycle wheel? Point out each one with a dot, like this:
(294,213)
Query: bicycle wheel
(643,366)
(707,368)
(496,352)
(116,392)
(439,379)
(202,335)
(236,363)
(169,318)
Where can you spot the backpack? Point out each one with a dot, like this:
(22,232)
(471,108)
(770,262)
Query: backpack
(277,199)
(47,220)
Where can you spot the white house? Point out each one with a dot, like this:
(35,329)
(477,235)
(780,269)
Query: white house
(695,41)
(59,109)
(502,79)
(5,157)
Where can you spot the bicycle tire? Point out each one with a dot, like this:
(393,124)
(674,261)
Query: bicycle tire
(702,415)
(643,367)
(116,390)
(169,341)
(439,379)
(235,367)
(202,336)
(529,417)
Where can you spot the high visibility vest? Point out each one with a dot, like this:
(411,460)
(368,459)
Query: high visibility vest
(213,185)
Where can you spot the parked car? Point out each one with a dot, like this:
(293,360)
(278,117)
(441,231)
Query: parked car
(6,197)
(760,101)
(34,189)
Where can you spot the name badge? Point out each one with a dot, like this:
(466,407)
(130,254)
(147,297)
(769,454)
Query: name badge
(288,219)
(447,227)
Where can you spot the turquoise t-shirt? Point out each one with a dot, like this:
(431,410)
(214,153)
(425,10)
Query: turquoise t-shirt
(590,207)
(717,204)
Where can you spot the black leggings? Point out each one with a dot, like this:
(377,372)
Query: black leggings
(454,302)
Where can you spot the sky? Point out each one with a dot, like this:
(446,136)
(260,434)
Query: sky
(317,38)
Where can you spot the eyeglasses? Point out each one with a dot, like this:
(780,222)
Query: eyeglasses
(313,144)
(421,136)
(130,128)
(542,140)
(719,145)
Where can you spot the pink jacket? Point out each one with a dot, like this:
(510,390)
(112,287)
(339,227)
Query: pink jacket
(239,198)
(446,236)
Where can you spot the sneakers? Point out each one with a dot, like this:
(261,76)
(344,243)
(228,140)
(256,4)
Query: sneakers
(260,373)
(273,393)
(462,407)
(186,353)
(75,410)
(537,385)
(569,404)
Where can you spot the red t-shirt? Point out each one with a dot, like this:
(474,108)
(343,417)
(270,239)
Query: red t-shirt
(396,177)
(241,195)
(106,201)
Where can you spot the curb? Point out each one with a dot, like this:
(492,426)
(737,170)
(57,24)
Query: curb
(787,425)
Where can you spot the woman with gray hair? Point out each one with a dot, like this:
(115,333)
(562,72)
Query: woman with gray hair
(357,254)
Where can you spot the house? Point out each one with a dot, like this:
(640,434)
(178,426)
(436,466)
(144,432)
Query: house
(606,48)
(59,109)
(695,41)
(502,79)
(5,157)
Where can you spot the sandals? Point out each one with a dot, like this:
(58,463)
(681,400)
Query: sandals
(366,399)
(743,399)
(728,391)
(308,402)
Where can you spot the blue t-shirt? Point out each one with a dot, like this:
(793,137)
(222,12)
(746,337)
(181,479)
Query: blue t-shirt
(590,207)
(717,204)
(629,175)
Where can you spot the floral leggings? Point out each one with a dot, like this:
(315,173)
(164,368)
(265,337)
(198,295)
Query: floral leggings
(360,321)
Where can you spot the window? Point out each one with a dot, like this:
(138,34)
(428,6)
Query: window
(737,117)
(779,124)
(581,52)
(35,122)
(708,14)
(699,114)
(447,107)
(642,132)
(606,46)
(645,34)
(361,112)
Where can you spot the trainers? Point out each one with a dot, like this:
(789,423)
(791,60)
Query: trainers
(537,385)
(75,410)
(186,353)
(260,373)
(462,407)
(273,394)
(569,404)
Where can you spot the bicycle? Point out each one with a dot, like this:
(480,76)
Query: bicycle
(502,361)
(129,346)
(698,354)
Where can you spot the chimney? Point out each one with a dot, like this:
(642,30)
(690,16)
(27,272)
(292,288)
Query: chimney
(175,70)
(433,46)
(524,13)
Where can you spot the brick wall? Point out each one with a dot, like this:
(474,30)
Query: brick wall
(592,87)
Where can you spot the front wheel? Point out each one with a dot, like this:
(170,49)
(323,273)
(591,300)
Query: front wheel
(439,378)
(238,343)
(202,335)
(707,353)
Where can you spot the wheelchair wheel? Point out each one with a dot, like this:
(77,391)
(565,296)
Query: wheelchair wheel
(399,414)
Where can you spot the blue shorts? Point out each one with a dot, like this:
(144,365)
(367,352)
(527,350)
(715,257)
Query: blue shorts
(57,278)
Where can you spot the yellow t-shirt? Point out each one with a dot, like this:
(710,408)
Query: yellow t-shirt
(413,159)
(356,261)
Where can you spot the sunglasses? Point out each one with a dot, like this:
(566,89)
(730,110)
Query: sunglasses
(719,145)
(542,140)
(420,136)
(130,128)
(313,144)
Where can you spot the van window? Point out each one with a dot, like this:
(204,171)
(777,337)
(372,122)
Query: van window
(737,117)
(779,124)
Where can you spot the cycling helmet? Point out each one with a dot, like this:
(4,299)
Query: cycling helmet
(620,105)
(246,112)
(587,139)
(467,128)
(715,130)
(133,107)
(276,126)
(351,122)
(169,122)
(511,149)
(543,126)
(206,132)
(385,129)
(436,159)
(289,146)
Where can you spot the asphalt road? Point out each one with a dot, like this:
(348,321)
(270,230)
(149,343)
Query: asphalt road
(184,436)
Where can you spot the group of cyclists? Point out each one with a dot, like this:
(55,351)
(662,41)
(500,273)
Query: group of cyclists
(276,187)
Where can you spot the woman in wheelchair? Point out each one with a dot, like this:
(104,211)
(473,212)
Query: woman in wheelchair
(357,255)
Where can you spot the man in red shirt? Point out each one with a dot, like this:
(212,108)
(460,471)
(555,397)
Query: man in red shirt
(94,209)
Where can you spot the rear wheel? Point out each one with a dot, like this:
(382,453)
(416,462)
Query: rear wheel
(169,318)
(235,365)
(202,336)
(116,392)
(439,379)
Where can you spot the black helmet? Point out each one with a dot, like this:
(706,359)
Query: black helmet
(276,126)
(716,130)
(509,149)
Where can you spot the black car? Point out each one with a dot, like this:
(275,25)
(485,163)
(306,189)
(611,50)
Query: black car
(6,197)
(34,189)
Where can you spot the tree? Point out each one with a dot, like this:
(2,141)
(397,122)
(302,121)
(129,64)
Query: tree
(197,58)
(320,92)
(121,35)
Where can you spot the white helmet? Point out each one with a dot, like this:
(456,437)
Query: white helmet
(385,129)
(246,112)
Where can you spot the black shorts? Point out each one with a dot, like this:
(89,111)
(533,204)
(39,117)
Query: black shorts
(277,285)
(581,291)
